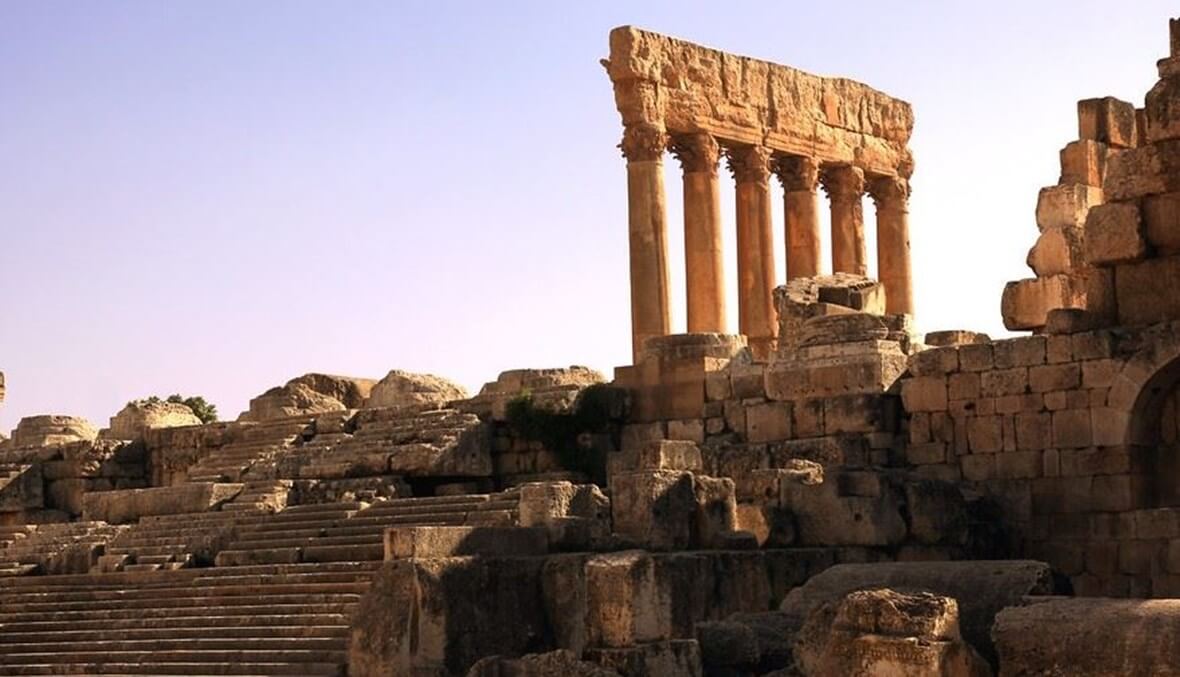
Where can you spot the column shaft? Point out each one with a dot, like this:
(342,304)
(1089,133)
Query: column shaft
(643,147)
(845,188)
(755,241)
(891,195)
(704,265)
(800,177)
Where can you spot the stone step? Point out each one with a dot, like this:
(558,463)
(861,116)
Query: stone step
(295,656)
(344,553)
(189,596)
(299,542)
(206,609)
(341,630)
(176,668)
(267,573)
(159,644)
(203,623)
(345,506)
(380,522)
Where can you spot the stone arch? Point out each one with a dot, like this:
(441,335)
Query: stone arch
(1141,410)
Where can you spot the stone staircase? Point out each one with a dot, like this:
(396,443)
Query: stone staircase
(260,620)
(261,496)
(171,541)
(56,548)
(12,534)
(355,531)
(257,445)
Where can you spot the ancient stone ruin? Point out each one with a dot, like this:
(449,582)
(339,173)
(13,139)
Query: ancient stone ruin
(822,493)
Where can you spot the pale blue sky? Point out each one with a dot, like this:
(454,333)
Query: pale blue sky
(212,197)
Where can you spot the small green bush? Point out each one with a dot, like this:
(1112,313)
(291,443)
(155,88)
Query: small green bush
(201,408)
(561,432)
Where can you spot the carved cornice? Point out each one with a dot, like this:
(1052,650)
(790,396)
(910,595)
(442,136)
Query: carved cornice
(696,152)
(797,173)
(843,182)
(749,164)
(643,143)
(889,192)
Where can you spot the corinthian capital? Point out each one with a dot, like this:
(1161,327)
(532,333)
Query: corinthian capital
(797,173)
(696,152)
(749,164)
(844,182)
(643,142)
(889,192)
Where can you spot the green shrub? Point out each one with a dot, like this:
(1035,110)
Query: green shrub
(561,433)
(200,407)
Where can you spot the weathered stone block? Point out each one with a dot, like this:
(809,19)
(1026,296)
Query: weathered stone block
(561,662)
(768,422)
(985,434)
(625,603)
(675,658)
(128,505)
(716,515)
(1107,120)
(978,357)
(1083,162)
(670,455)
(925,393)
(690,430)
(1148,291)
(1057,250)
(1024,351)
(1140,172)
(937,512)
(824,517)
(1114,234)
(1162,110)
(1065,206)
(1161,222)
(1026,303)
(1071,428)
(1050,377)
(934,361)
(454,541)
(999,382)
(859,414)
(654,509)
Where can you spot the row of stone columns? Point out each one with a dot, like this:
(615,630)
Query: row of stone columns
(699,155)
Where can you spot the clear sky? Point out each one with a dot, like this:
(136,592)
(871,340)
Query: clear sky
(212,197)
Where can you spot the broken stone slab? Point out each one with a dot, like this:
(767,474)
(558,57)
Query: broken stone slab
(127,505)
(824,516)
(1089,637)
(463,541)
(625,602)
(1026,303)
(559,663)
(955,337)
(981,588)
(670,455)
(137,417)
(1066,206)
(1057,250)
(884,632)
(1107,120)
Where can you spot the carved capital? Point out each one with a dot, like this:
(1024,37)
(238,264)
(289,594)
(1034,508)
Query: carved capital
(696,152)
(889,192)
(643,142)
(843,182)
(797,173)
(749,164)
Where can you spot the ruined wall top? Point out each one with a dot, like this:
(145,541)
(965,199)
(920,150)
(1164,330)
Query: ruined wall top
(679,88)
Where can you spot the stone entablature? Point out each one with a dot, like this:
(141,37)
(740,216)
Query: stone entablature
(766,119)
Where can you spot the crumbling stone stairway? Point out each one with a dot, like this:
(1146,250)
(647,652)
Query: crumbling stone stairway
(171,541)
(263,620)
(354,531)
(47,548)
(258,443)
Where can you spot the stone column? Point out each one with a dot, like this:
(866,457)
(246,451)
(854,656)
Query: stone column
(800,176)
(704,268)
(755,241)
(891,195)
(845,185)
(643,146)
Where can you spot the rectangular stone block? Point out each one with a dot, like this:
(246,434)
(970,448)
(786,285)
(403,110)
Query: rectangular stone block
(130,504)
(1024,351)
(1033,430)
(456,541)
(859,414)
(1000,382)
(976,357)
(654,509)
(1026,303)
(985,434)
(1071,428)
(1140,172)
(963,386)
(1083,162)
(768,422)
(926,393)
(926,454)
(1161,222)
(1114,234)
(934,361)
(1052,377)
(1107,120)
(1066,206)
(1148,291)
(625,605)
(689,430)
(1057,250)
(670,455)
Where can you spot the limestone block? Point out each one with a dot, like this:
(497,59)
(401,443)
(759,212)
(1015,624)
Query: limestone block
(1089,637)
(674,658)
(51,429)
(884,632)
(1065,206)
(553,505)
(1148,291)
(728,646)
(625,603)
(22,488)
(1057,250)
(868,367)
(1162,110)
(716,511)
(955,337)
(401,388)
(670,455)
(131,421)
(1140,172)
(456,541)
(1084,162)
(937,512)
(824,517)
(1107,120)
(924,393)
(559,663)
(128,505)
(1026,303)
(1161,222)
(690,430)
(67,495)
(981,588)
(845,414)
(654,509)
(934,361)
(767,422)
(1114,234)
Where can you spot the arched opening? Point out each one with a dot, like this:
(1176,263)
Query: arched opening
(1153,435)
